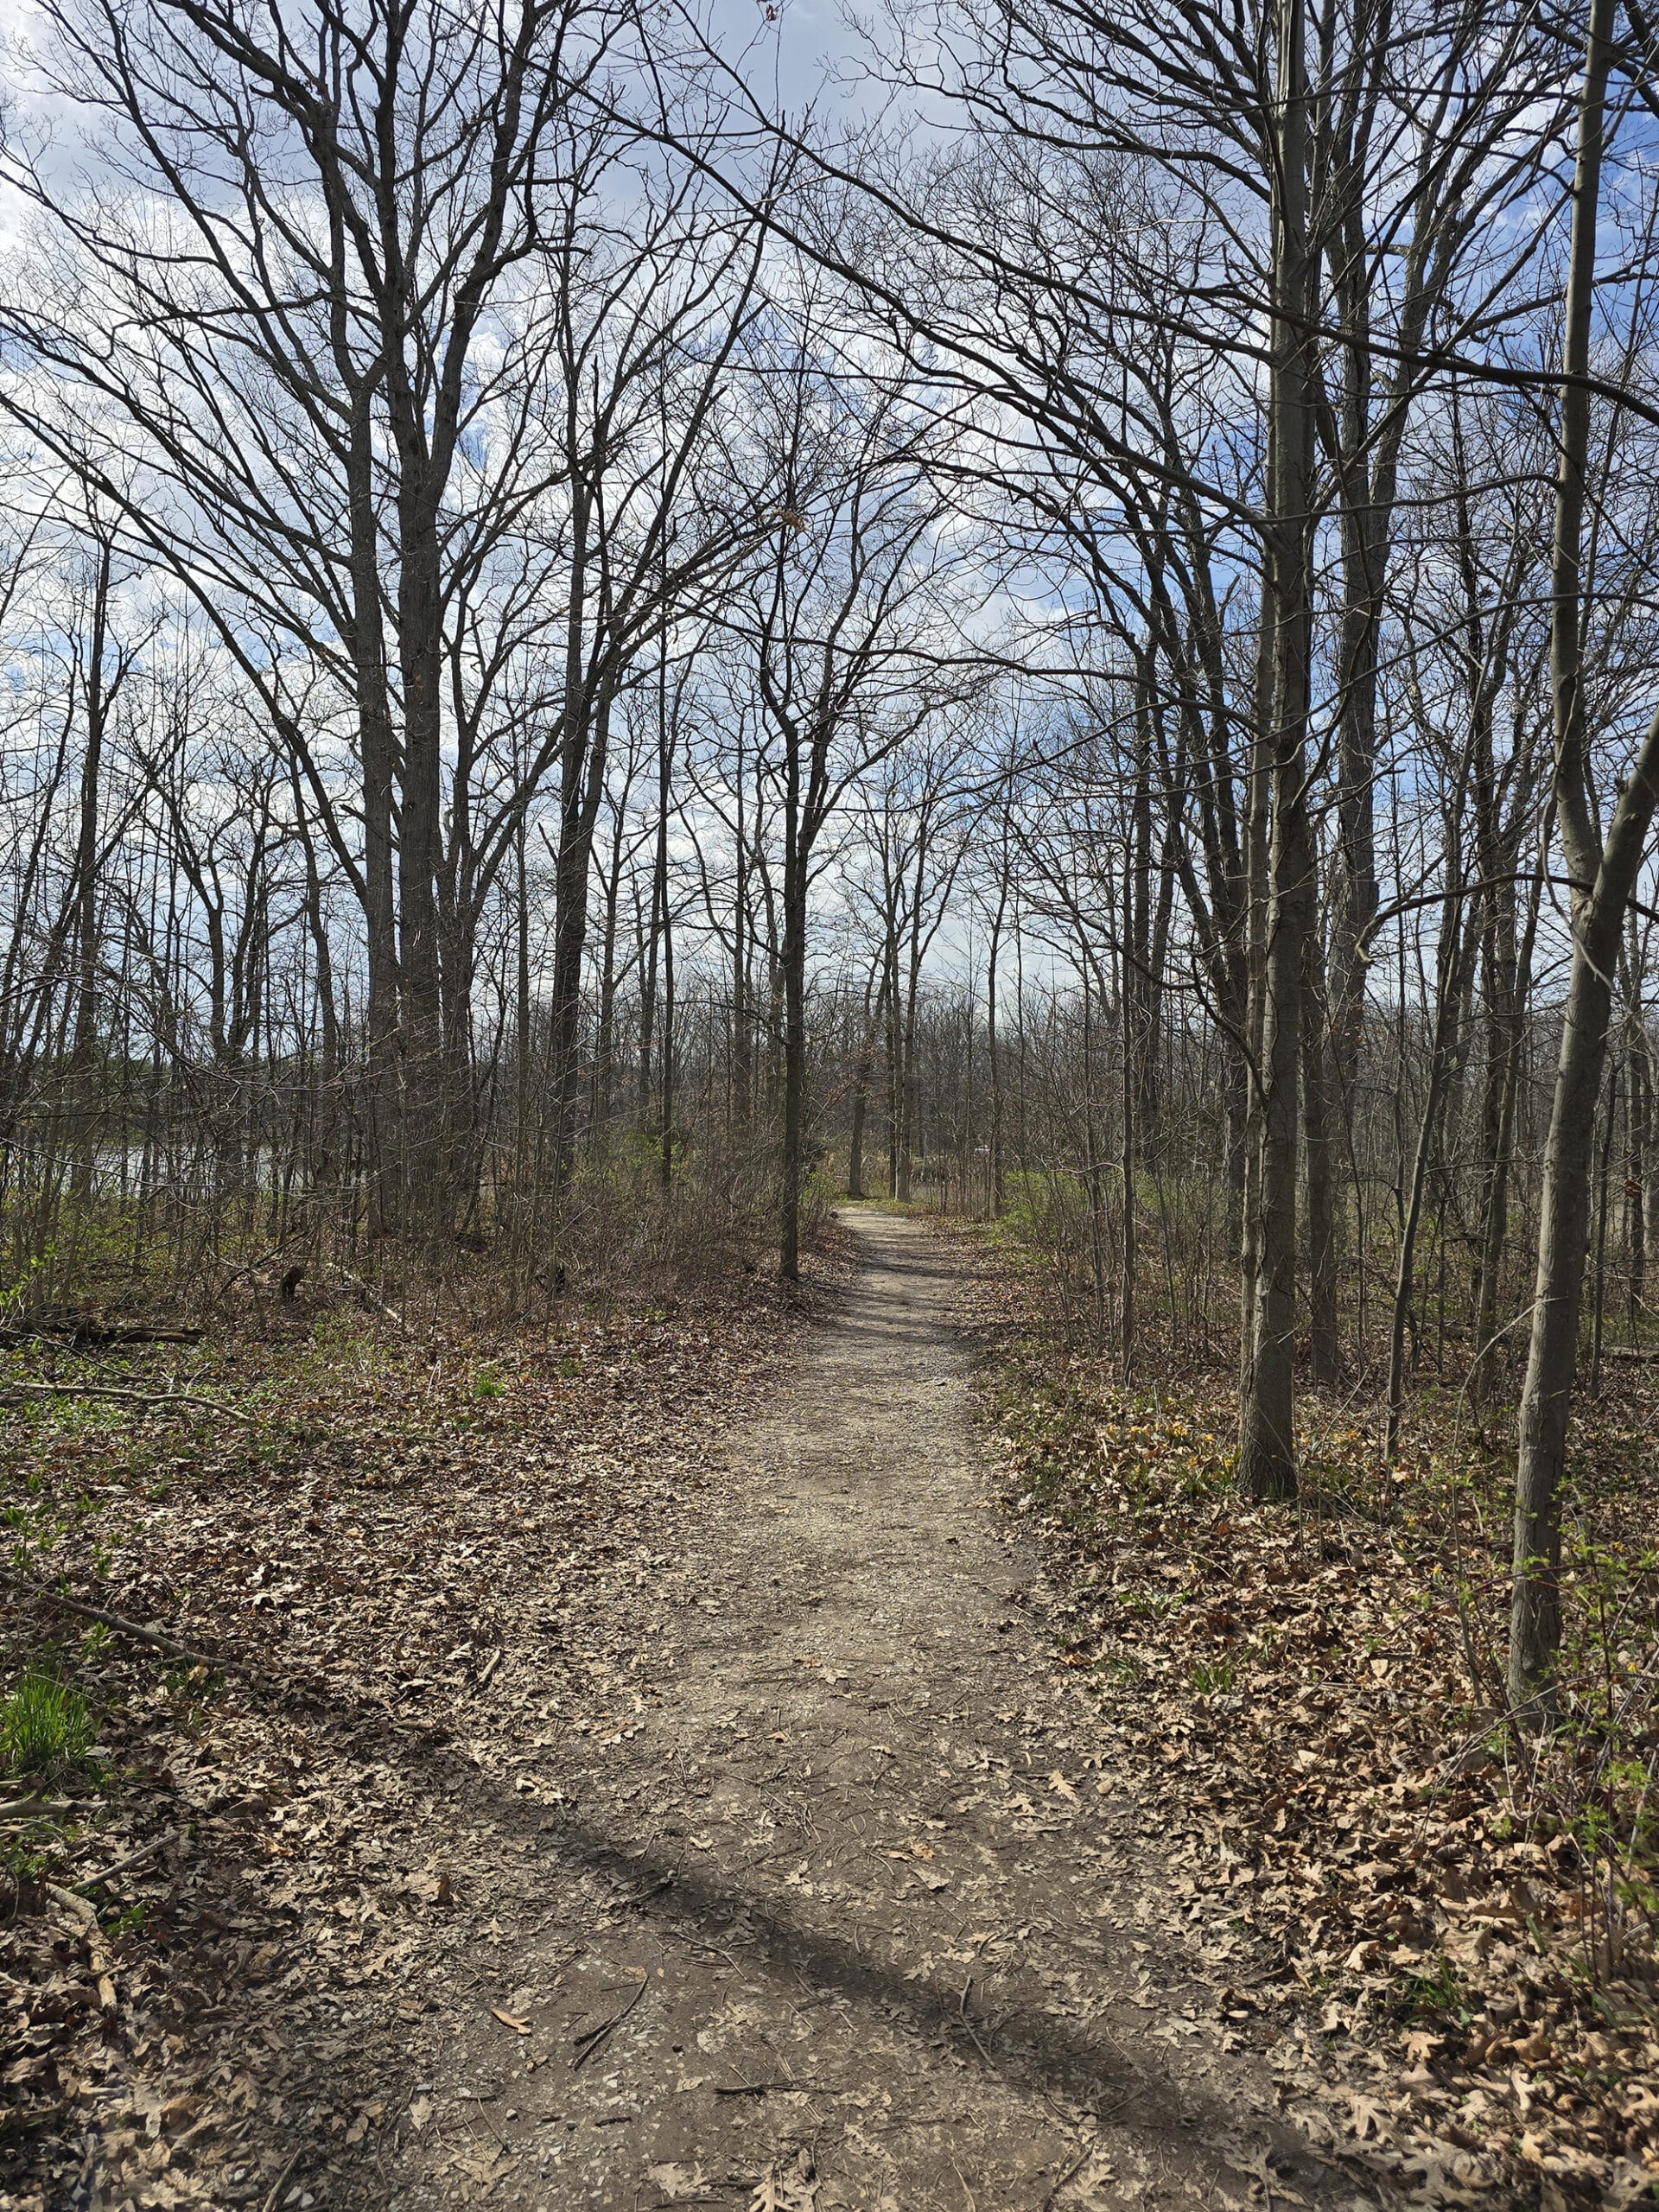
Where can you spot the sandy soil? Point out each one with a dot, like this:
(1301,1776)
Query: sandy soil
(841,1918)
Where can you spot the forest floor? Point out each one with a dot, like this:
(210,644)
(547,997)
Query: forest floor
(647,1765)
(668,1795)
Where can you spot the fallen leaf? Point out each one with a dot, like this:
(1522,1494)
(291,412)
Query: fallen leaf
(677,2181)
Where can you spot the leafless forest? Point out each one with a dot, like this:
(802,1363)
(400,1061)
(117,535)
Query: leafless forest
(608,637)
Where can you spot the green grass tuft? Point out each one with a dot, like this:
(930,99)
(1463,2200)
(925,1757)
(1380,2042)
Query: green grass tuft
(44,1726)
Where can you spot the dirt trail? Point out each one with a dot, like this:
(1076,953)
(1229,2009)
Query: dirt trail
(867,1933)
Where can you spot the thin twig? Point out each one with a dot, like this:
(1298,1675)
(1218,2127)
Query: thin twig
(1071,2172)
(283,2179)
(15,1394)
(962,2014)
(594,2037)
(133,1858)
(156,1638)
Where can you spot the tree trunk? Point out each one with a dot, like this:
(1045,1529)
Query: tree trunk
(1601,881)
(1447,983)
(1638,1128)
(582,783)
(427,1108)
(1564,1208)
(376,749)
(794,981)
(1266,1455)
(993,1054)
(1506,1035)
(1130,1086)
(84,1078)
(873,1014)
(1321,1179)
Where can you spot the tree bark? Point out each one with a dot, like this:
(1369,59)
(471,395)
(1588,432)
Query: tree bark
(794,980)
(1601,880)
(83,1084)
(874,1015)
(1318,1143)
(1447,986)
(1267,1453)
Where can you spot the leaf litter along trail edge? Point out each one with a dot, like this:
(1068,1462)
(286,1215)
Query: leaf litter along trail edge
(290,1818)
(1400,1914)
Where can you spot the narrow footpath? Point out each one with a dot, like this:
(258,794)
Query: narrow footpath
(842,1919)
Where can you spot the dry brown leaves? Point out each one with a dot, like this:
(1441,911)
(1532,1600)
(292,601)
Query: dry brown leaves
(211,1945)
(1394,1911)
